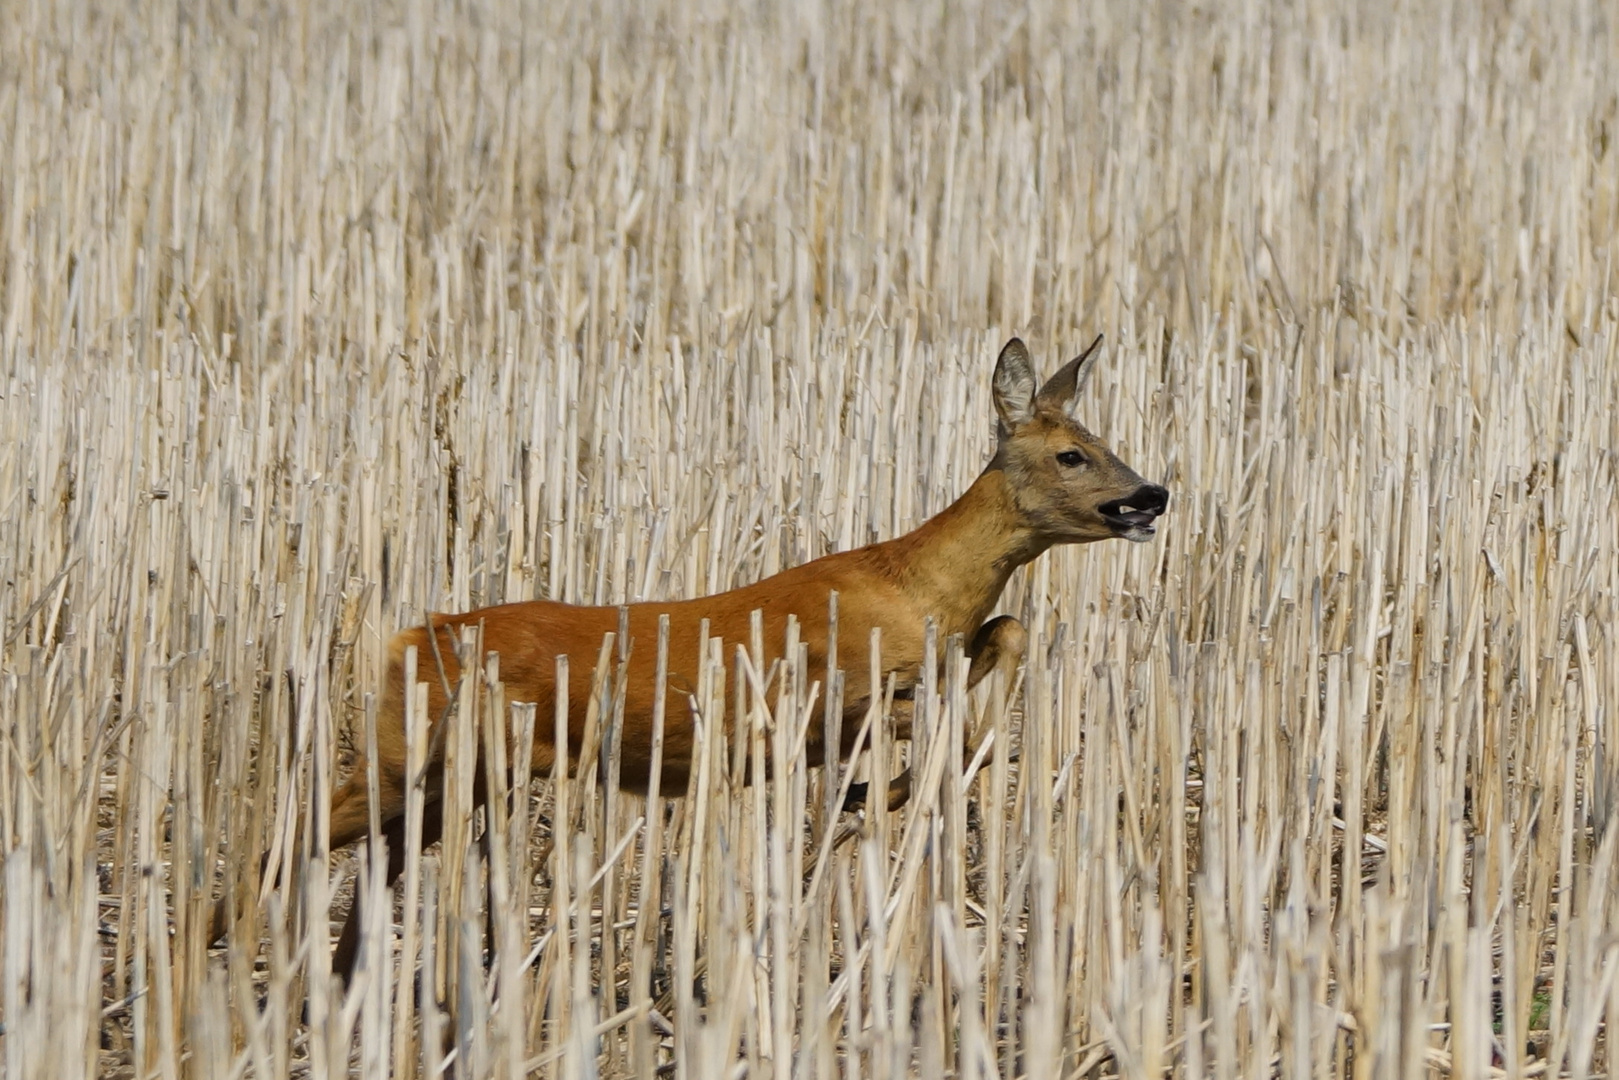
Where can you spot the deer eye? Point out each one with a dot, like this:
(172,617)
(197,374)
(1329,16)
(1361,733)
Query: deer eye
(1071,459)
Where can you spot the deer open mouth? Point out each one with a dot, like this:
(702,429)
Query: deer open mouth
(1132,519)
(1135,517)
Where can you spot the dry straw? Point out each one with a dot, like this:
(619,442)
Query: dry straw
(314,317)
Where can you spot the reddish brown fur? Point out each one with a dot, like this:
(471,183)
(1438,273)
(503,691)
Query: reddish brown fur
(951,569)
(885,585)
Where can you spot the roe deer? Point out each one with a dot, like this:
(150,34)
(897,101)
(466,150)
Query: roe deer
(1050,482)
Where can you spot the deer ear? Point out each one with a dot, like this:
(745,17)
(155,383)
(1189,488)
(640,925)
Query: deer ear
(1062,389)
(1014,387)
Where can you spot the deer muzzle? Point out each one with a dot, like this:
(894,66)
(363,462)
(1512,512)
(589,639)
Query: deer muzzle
(1134,516)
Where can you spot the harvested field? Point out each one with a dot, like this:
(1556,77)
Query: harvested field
(317,316)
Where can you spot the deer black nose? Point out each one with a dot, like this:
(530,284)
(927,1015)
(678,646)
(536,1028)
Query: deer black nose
(1148,498)
(1137,510)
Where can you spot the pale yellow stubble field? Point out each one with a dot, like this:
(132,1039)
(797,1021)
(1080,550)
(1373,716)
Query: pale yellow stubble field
(317,317)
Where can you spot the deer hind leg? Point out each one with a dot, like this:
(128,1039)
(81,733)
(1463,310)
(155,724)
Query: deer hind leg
(348,820)
(999,645)
(347,952)
(345,955)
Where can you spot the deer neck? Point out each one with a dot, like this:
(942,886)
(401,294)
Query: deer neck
(955,565)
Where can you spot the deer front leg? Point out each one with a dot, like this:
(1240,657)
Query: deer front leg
(999,645)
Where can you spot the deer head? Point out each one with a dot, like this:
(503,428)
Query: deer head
(1067,486)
